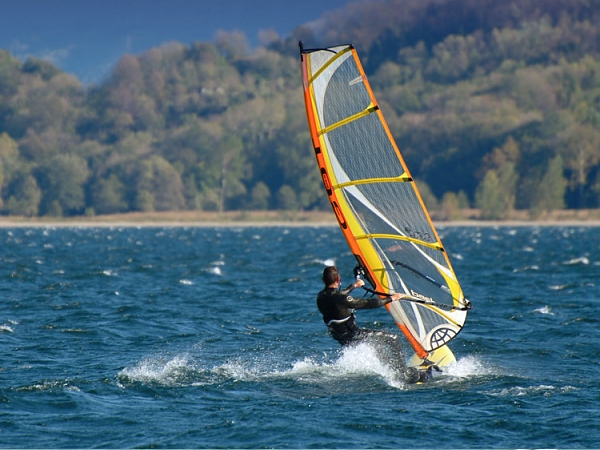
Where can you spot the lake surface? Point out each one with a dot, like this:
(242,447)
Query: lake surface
(210,337)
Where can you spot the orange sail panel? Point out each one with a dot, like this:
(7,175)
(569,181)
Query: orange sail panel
(376,201)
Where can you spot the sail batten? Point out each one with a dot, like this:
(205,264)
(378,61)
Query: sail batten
(369,110)
(400,179)
(399,237)
(376,201)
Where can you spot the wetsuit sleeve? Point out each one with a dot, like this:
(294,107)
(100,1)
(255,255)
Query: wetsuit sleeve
(363,303)
(347,290)
(367,303)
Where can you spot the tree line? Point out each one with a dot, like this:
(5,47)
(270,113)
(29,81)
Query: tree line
(494,105)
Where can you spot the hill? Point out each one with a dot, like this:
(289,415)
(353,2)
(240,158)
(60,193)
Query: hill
(493,104)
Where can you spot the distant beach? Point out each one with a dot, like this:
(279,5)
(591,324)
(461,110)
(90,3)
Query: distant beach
(282,219)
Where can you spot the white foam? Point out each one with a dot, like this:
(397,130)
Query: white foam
(236,370)
(155,370)
(215,271)
(519,391)
(527,268)
(466,367)
(356,361)
(352,362)
(558,287)
(544,310)
(362,360)
(580,260)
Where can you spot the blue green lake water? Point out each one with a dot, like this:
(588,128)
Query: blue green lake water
(210,337)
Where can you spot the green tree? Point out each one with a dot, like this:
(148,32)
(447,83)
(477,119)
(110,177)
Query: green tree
(450,207)
(108,196)
(508,178)
(495,195)
(9,161)
(509,152)
(260,194)
(193,198)
(63,179)
(580,146)
(463,200)
(550,193)
(46,70)
(232,45)
(10,77)
(232,170)
(429,198)
(144,201)
(158,186)
(487,196)
(43,106)
(298,167)
(24,197)
(287,199)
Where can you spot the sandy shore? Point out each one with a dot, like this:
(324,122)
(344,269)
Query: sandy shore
(269,219)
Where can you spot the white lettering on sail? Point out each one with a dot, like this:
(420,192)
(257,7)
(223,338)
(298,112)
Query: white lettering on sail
(420,296)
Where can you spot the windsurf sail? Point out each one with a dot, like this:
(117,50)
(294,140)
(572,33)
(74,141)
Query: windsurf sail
(376,201)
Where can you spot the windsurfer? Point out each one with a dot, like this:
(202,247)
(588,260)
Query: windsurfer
(337,307)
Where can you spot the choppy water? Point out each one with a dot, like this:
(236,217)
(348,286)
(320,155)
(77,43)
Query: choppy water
(200,337)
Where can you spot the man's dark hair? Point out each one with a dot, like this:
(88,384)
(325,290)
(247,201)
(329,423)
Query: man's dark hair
(330,275)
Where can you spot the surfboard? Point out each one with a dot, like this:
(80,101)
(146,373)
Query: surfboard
(441,357)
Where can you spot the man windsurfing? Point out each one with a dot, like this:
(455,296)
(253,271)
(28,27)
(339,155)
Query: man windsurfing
(337,307)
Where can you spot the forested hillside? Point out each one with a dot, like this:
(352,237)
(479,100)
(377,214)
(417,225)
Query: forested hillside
(493,104)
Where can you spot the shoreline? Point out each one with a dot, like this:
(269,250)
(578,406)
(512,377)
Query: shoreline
(262,219)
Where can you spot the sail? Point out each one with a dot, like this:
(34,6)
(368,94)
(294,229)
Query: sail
(376,201)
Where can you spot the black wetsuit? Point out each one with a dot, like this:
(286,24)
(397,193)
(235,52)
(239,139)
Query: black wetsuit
(337,307)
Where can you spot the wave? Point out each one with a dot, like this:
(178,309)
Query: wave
(581,260)
(468,367)
(336,371)
(527,268)
(177,371)
(544,310)
(519,391)
(50,385)
(354,362)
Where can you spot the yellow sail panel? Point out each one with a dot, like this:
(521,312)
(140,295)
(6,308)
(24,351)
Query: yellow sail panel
(376,201)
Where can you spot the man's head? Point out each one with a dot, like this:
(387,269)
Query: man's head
(330,275)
